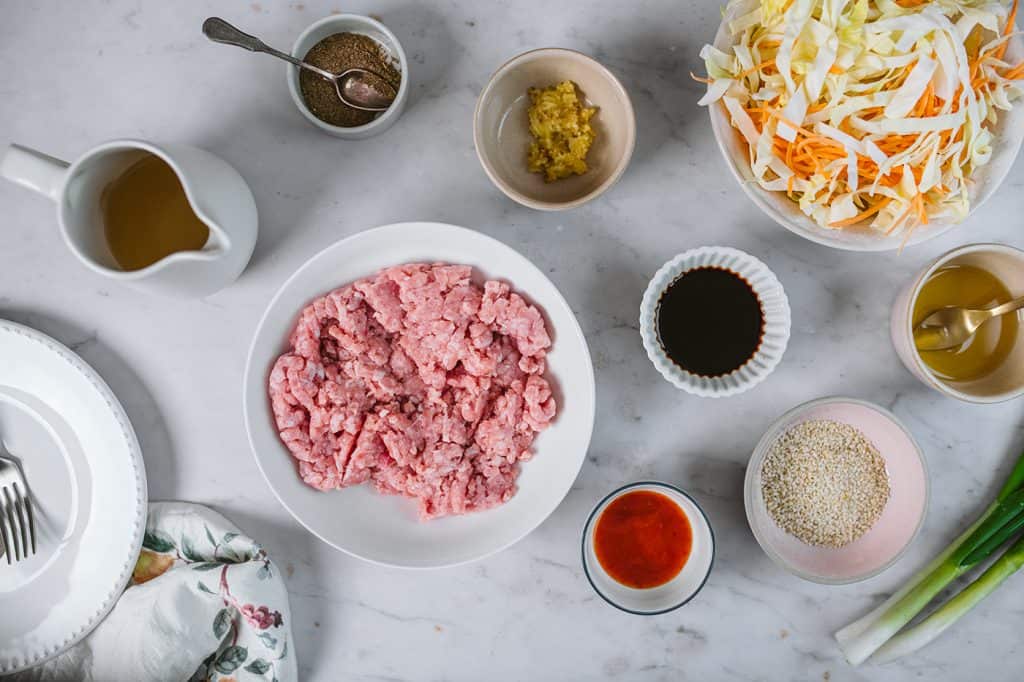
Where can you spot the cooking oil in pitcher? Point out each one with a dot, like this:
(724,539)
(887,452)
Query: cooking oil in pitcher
(147,216)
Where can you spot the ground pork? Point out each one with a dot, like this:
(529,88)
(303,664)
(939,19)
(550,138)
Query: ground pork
(419,382)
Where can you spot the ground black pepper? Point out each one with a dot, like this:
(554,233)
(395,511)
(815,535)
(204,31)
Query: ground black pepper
(336,53)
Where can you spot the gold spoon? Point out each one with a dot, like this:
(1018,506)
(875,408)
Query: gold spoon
(953,326)
(351,85)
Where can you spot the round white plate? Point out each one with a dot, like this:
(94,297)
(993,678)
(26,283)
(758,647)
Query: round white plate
(385,529)
(84,468)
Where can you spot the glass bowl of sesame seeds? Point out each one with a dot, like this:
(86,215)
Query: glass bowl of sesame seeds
(836,490)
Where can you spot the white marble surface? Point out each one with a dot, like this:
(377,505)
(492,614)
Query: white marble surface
(75,74)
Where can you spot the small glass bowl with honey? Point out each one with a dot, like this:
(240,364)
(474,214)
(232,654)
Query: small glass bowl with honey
(988,367)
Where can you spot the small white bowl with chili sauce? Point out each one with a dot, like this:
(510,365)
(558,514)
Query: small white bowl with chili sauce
(647,548)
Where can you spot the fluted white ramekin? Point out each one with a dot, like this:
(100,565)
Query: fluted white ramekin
(774,306)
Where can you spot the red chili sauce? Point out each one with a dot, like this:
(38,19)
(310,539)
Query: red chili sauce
(643,539)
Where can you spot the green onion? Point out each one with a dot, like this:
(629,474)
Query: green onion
(934,625)
(1001,521)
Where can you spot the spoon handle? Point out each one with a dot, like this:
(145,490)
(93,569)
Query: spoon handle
(1008,307)
(220,31)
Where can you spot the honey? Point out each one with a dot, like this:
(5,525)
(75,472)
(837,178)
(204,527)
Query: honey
(147,216)
(971,287)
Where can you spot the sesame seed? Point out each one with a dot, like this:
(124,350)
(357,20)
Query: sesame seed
(825,483)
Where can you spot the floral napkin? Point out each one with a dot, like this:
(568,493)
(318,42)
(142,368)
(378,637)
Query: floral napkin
(204,603)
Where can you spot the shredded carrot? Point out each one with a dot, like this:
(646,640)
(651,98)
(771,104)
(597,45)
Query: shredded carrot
(1016,73)
(1011,19)
(926,99)
(789,186)
(1007,30)
(699,79)
(922,214)
(758,67)
(899,221)
(863,214)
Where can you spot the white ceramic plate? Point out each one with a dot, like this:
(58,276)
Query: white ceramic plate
(1009,133)
(84,468)
(385,529)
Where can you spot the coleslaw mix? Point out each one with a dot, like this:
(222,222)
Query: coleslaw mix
(867,112)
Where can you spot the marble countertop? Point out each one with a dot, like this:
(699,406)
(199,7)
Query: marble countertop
(79,73)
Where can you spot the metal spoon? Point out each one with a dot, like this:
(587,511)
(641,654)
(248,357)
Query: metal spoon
(951,327)
(351,84)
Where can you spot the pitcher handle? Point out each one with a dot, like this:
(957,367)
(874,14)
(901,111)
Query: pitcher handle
(34,170)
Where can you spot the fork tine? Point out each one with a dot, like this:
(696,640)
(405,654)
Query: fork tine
(3,535)
(9,506)
(19,503)
(8,536)
(27,501)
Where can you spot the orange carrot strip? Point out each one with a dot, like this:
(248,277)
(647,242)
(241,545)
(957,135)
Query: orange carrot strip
(1016,73)
(896,223)
(756,67)
(863,214)
(1007,30)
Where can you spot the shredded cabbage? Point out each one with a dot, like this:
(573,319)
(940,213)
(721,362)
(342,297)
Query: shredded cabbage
(867,112)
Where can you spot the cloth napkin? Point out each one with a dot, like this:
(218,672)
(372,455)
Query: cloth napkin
(204,603)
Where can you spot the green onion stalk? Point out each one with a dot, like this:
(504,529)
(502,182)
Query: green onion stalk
(914,638)
(1003,520)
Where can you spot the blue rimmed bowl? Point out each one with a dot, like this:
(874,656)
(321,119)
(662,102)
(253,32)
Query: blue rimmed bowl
(676,592)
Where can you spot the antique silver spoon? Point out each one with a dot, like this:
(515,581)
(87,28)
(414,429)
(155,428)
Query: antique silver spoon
(351,84)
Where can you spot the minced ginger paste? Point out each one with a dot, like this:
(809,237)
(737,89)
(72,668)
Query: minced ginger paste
(561,130)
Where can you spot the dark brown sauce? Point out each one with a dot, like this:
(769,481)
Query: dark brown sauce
(710,321)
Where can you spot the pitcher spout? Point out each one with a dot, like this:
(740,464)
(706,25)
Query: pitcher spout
(218,242)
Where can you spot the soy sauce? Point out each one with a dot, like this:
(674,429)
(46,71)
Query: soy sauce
(710,321)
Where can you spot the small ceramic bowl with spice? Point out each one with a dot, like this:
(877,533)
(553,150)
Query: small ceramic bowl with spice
(647,548)
(715,321)
(836,490)
(521,121)
(989,368)
(336,43)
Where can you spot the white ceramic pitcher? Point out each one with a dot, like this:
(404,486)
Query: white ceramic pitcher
(217,193)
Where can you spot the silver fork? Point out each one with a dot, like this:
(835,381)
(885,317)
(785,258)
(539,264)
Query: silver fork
(17,523)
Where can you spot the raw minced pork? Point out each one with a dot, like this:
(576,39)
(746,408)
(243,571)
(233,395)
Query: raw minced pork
(418,381)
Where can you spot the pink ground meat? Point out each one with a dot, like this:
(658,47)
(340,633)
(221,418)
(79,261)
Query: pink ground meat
(419,382)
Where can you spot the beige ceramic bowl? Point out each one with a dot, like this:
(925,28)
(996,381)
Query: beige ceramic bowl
(1006,382)
(502,137)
